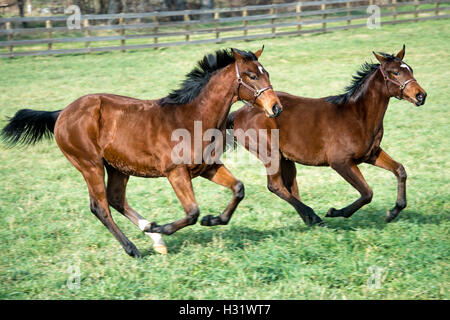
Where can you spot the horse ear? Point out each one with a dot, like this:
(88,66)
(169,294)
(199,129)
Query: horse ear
(380,58)
(401,53)
(237,54)
(258,53)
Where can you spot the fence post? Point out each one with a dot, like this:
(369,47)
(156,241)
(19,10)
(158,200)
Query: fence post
(155,31)
(217,17)
(395,9)
(272,21)
(416,14)
(324,16)
(186,18)
(10,38)
(437,8)
(298,10)
(349,21)
(48,25)
(86,33)
(122,33)
(244,14)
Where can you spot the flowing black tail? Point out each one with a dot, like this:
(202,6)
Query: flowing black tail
(29,126)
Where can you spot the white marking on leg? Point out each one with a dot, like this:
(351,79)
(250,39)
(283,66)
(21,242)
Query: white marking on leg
(156,237)
(142,223)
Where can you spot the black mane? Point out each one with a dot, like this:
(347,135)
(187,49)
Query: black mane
(197,79)
(357,80)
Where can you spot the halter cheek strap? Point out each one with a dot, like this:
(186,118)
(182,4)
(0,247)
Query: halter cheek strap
(402,86)
(256,92)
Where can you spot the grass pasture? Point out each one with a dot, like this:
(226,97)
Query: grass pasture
(46,227)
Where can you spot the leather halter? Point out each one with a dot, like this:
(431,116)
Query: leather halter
(256,92)
(402,86)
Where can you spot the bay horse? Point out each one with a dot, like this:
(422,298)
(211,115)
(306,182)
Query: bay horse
(339,131)
(132,137)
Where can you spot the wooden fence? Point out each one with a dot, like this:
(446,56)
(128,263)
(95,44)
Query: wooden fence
(132,31)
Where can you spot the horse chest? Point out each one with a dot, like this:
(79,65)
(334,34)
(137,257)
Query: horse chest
(372,147)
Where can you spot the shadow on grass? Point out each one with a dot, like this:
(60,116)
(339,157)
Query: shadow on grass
(374,218)
(239,236)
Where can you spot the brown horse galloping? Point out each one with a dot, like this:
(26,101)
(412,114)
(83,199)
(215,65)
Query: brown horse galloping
(338,131)
(134,137)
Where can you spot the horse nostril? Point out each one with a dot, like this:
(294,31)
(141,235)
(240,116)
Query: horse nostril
(421,98)
(276,109)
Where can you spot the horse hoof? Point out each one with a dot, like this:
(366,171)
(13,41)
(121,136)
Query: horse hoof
(153,228)
(160,249)
(315,221)
(332,213)
(156,228)
(391,215)
(132,251)
(209,221)
(206,220)
(321,224)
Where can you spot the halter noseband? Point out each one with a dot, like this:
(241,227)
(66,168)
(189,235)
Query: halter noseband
(256,92)
(402,86)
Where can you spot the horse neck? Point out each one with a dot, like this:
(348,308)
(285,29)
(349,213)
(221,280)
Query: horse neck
(371,104)
(214,102)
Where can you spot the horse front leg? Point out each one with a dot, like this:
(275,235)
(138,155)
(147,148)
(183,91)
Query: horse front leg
(383,160)
(181,183)
(219,174)
(281,174)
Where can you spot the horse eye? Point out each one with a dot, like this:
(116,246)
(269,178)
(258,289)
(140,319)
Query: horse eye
(253,77)
(395,73)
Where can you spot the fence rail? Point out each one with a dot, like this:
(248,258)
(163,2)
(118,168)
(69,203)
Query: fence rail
(295,18)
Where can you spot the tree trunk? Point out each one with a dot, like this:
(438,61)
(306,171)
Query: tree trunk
(142,6)
(101,6)
(21,5)
(115,6)
(207,4)
(175,5)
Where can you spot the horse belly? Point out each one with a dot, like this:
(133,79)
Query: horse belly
(304,151)
(132,164)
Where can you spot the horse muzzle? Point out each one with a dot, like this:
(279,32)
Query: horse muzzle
(420,97)
(276,109)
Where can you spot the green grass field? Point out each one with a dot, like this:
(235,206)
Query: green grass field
(266,252)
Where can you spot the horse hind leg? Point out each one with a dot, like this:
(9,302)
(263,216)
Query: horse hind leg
(289,175)
(276,185)
(116,194)
(351,173)
(219,174)
(94,176)
(181,183)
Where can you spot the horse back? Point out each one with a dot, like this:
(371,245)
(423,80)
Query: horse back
(120,130)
